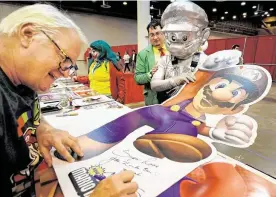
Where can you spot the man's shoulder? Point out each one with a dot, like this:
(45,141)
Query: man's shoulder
(145,50)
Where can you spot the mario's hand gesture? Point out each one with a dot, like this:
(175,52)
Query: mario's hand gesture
(239,131)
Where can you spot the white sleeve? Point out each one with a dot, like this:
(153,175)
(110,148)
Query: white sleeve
(158,81)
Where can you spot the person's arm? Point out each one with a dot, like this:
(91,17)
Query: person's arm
(141,76)
(43,125)
(158,82)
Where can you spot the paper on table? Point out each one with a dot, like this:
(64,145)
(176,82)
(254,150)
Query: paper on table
(51,97)
(91,100)
(162,172)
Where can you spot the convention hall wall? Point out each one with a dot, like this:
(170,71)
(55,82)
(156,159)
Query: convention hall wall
(115,31)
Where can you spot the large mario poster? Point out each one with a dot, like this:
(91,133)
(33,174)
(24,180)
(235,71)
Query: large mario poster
(163,143)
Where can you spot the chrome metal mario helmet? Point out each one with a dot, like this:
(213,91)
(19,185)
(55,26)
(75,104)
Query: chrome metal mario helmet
(185,27)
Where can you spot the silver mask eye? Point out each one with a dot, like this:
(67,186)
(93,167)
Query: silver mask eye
(172,37)
(185,38)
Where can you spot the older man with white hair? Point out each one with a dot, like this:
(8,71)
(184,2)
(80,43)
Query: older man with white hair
(38,44)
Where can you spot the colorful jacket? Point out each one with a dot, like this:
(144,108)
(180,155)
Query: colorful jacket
(144,63)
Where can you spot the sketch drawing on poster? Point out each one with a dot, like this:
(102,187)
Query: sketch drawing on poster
(176,133)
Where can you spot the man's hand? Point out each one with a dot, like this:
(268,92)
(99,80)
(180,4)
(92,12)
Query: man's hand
(154,69)
(234,130)
(183,78)
(60,140)
(118,185)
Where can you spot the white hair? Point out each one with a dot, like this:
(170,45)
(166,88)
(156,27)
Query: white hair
(44,17)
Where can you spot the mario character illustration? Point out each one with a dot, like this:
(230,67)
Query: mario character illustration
(222,88)
(227,91)
(180,124)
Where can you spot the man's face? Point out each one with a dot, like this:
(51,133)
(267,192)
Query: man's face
(95,54)
(219,96)
(156,36)
(182,44)
(237,48)
(40,60)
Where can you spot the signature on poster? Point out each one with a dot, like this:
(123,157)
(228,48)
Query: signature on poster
(131,162)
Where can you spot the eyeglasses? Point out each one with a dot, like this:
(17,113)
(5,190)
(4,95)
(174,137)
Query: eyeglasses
(66,63)
(158,33)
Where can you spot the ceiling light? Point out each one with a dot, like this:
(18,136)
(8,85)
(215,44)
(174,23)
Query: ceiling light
(93,1)
(151,7)
(226,12)
(222,18)
(243,3)
(256,13)
(254,7)
(244,16)
(172,0)
(268,15)
(125,3)
(271,9)
(266,12)
(234,17)
(214,9)
(244,13)
(263,15)
(151,16)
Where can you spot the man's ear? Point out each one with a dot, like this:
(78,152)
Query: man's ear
(26,33)
(205,35)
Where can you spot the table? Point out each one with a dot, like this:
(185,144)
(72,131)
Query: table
(48,184)
(45,178)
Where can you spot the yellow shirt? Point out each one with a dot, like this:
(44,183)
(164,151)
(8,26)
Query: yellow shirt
(157,52)
(100,79)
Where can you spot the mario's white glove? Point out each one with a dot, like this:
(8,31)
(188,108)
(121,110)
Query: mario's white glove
(232,130)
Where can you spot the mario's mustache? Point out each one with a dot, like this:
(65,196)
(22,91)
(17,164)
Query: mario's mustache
(209,100)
